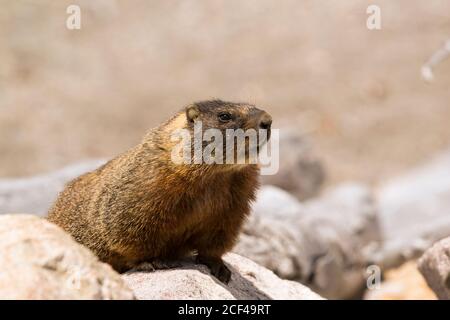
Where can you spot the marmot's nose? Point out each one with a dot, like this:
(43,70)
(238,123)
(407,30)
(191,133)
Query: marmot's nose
(265,121)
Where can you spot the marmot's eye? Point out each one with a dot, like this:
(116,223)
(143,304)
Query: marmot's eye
(224,117)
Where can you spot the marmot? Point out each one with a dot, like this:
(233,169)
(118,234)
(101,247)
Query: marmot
(141,206)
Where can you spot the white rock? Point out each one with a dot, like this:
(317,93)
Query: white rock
(192,281)
(275,202)
(324,243)
(415,210)
(36,194)
(435,267)
(38,260)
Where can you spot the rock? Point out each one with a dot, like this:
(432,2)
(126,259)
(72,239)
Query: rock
(435,267)
(192,281)
(353,207)
(300,172)
(276,203)
(402,283)
(414,211)
(36,194)
(324,243)
(38,260)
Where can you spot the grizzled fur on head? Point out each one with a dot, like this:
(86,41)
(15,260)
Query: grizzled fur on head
(212,114)
(242,115)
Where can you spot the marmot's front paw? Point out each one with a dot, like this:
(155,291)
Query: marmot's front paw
(217,268)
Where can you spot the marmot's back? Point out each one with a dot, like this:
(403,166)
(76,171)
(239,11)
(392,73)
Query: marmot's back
(74,211)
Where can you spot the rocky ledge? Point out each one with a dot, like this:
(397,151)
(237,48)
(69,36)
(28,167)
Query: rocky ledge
(39,260)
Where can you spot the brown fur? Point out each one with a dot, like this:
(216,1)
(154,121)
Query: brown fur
(141,206)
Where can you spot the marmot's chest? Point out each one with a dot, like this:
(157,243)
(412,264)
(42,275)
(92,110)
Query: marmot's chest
(214,199)
(208,204)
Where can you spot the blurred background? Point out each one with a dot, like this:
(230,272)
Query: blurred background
(68,95)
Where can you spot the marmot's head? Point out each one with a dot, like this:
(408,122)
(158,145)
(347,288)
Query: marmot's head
(230,132)
(224,115)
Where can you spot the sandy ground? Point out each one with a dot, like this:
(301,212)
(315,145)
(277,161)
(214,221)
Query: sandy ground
(67,95)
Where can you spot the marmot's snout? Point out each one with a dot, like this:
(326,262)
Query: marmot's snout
(258,119)
(261,120)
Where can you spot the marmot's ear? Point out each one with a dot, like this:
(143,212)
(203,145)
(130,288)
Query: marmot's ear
(192,113)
